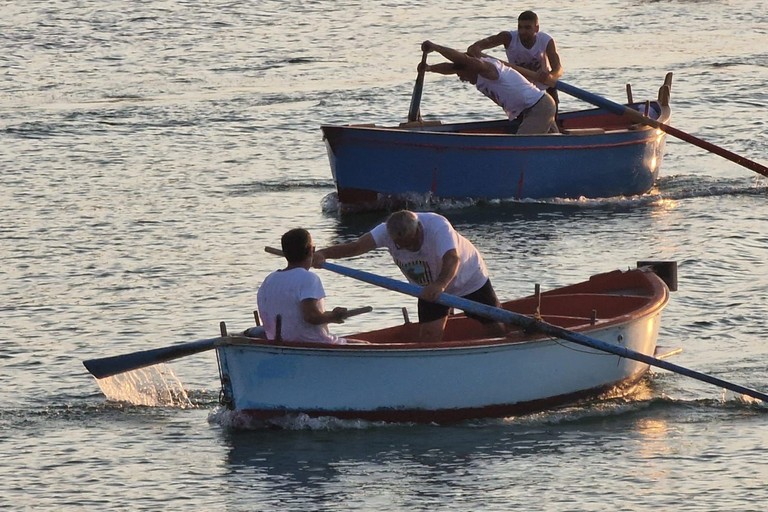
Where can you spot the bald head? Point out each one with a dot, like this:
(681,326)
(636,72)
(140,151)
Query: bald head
(405,230)
(402,224)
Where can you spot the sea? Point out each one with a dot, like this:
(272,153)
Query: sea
(150,150)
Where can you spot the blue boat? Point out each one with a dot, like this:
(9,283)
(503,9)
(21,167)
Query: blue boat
(597,154)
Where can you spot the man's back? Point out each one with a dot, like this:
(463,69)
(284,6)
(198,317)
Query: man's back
(281,294)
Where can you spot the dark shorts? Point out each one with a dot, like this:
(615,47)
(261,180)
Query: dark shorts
(430,311)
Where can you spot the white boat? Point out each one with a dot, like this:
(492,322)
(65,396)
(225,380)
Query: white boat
(393,378)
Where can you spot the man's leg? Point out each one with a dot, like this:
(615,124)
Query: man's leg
(432,320)
(432,331)
(541,117)
(487,295)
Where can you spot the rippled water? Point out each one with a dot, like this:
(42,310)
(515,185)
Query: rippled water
(150,150)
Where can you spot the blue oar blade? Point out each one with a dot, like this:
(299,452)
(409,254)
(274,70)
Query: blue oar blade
(109,366)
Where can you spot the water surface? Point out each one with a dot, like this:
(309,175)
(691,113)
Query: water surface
(151,150)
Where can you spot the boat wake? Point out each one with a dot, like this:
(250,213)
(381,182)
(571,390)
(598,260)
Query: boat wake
(237,421)
(670,188)
(691,186)
(642,401)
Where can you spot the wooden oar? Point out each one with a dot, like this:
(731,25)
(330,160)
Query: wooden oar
(109,366)
(272,250)
(413,112)
(640,118)
(531,324)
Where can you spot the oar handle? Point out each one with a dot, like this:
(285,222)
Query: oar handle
(413,112)
(357,311)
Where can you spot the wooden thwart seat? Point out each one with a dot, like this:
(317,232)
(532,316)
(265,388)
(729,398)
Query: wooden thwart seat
(582,131)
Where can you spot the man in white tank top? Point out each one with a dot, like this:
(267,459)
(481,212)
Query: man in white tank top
(528,48)
(509,86)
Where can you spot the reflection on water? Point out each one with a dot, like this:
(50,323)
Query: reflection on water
(416,456)
(504,460)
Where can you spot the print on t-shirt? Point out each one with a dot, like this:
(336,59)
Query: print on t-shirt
(533,63)
(417,271)
(492,95)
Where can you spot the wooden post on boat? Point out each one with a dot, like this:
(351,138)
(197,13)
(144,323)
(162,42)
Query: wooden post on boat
(666,270)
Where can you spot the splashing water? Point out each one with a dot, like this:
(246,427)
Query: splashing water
(668,189)
(155,386)
(236,420)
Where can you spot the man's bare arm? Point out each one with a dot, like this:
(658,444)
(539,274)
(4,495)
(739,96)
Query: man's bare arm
(355,248)
(476,48)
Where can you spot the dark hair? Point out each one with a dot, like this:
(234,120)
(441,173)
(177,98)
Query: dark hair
(528,16)
(297,245)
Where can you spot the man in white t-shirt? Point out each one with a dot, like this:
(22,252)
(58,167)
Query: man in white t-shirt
(529,48)
(509,86)
(297,295)
(432,254)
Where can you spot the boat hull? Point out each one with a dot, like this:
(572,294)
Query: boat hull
(597,154)
(449,381)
